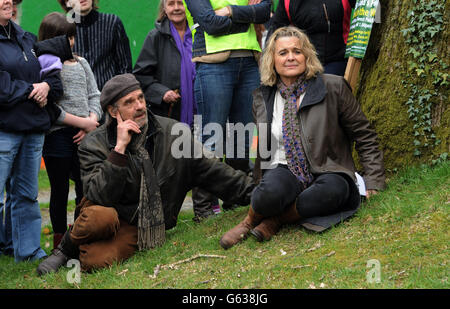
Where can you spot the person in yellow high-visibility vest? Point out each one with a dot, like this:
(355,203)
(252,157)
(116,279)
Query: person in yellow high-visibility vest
(224,48)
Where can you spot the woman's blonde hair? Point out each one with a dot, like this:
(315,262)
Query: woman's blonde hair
(269,76)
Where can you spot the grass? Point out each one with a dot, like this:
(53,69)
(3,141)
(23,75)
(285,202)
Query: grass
(44,183)
(404,228)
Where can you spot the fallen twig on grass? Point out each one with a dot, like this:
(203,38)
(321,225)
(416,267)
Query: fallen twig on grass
(329,254)
(397,274)
(300,266)
(155,271)
(208,281)
(315,247)
(173,265)
(123,272)
(157,283)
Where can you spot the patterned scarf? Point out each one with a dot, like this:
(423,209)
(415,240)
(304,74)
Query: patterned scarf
(151,226)
(295,155)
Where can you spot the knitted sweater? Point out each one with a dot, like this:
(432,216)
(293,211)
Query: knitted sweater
(102,41)
(81,95)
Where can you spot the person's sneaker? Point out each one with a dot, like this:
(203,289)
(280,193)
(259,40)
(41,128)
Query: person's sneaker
(216,209)
(52,263)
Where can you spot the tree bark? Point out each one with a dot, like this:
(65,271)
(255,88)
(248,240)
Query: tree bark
(382,96)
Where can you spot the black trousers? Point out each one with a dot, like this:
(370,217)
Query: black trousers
(59,171)
(279,188)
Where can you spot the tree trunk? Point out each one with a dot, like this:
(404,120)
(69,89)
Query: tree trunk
(383,97)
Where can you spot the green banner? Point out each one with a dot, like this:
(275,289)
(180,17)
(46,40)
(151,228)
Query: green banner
(360,28)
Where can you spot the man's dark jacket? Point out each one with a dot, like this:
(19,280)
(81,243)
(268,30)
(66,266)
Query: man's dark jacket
(112,179)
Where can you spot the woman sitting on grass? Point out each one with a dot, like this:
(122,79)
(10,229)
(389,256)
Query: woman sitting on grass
(314,120)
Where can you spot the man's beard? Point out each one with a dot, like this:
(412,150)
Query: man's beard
(142,121)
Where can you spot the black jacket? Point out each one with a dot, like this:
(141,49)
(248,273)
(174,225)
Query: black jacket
(325,22)
(158,69)
(58,46)
(19,70)
(111,179)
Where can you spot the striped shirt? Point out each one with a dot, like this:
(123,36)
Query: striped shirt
(102,41)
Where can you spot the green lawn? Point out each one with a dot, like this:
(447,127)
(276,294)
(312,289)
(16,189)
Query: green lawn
(405,229)
(44,183)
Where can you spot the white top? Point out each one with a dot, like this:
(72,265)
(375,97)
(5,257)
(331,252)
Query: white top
(279,155)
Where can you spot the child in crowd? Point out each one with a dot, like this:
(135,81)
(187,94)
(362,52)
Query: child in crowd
(80,112)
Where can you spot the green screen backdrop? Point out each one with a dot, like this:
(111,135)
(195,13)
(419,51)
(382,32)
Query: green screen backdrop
(138,17)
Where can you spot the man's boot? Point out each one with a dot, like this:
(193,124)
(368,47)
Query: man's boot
(270,226)
(59,257)
(240,231)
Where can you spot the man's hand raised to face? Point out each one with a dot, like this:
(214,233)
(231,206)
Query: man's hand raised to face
(125,130)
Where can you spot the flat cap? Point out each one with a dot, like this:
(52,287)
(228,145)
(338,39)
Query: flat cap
(118,87)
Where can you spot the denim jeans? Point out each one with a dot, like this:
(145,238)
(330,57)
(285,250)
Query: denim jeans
(20,218)
(223,91)
(336,67)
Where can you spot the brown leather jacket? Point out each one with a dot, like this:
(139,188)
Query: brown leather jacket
(112,179)
(331,121)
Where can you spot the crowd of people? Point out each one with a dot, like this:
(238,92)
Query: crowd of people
(76,101)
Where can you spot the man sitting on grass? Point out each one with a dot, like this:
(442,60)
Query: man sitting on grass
(133,186)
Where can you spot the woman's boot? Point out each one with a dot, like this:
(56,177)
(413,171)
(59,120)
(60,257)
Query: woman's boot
(270,226)
(240,231)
